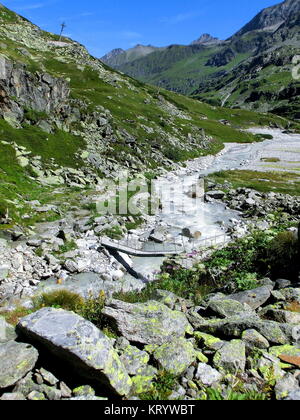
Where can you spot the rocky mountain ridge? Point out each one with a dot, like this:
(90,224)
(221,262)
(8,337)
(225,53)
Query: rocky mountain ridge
(206,39)
(228,73)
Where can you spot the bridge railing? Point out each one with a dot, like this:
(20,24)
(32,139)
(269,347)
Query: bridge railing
(153,247)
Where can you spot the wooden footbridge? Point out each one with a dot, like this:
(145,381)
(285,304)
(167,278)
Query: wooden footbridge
(133,248)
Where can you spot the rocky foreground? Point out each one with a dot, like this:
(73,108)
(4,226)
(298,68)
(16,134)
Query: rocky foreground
(247,341)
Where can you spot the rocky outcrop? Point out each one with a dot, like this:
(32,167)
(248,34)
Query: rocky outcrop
(80,344)
(39,92)
(147,323)
(17,359)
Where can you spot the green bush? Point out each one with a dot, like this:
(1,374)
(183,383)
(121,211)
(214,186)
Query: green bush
(162,387)
(284,255)
(60,299)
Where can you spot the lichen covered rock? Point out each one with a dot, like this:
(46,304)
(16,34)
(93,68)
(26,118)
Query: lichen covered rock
(17,359)
(147,323)
(254,339)
(175,357)
(231,358)
(254,298)
(227,307)
(79,343)
(134,359)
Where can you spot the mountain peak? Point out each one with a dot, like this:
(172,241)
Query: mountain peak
(206,39)
(271,18)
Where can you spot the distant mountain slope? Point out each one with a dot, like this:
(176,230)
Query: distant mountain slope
(252,69)
(67,121)
(265,80)
(119,57)
(271,18)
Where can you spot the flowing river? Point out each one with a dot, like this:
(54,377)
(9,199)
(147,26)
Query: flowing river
(181,210)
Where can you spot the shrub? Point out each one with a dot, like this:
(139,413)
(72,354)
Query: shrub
(283,255)
(162,387)
(60,299)
(246,281)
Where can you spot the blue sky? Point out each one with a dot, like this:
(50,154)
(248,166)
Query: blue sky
(102,25)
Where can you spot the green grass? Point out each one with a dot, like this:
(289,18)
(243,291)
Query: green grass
(48,146)
(281,182)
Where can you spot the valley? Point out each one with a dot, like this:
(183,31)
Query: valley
(188,156)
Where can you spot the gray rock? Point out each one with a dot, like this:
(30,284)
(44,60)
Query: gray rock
(65,390)
(48,377)
(13,396)
(88,398)
(26,385)
(71,266)
(277,296)
(143,381)
(3,273)
(207,375)
(208,341)
(79,343)
(286,385)
(274,332)
(50,392)
(282,284)
(178,394)
(175,357)
(134,359)
(7,332)
(158,235)
(293,396)
(147,323)
(217,194)
(231,358)
(84,390)
(285,317)
(292,295)
(227,308)
(167,298)
(254,339)
(268,366)
(36,396)
(17,359)
(254,298)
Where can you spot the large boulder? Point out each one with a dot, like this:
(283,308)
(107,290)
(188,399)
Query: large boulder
(231,358)
(80,344)
(254,339)
(225,308)
(254,298)
(175,357)
(234,326)
(17,359)
(147,323)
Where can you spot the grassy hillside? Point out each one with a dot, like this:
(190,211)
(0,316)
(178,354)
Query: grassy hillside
(145,129)
(251,70)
